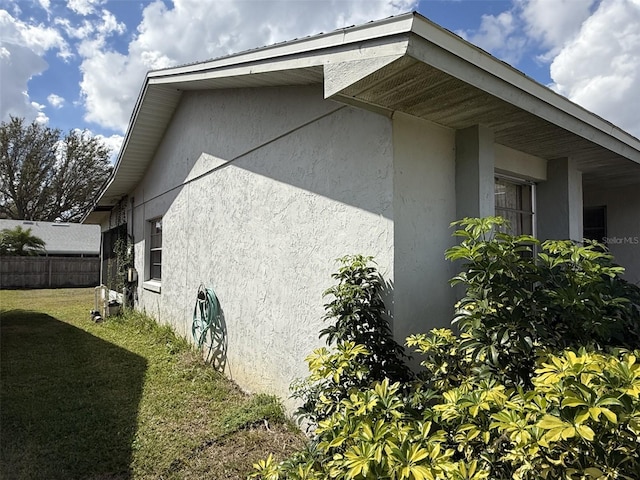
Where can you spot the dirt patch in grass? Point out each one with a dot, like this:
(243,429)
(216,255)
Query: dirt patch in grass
(231,456)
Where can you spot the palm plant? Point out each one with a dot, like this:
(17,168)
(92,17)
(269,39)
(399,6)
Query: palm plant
(20,242)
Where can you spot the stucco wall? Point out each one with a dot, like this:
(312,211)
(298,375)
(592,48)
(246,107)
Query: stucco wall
(519,164)
(424,205)
(623,224)
(260,190)
(559,201)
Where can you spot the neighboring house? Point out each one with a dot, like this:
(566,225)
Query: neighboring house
(61,239)
(71,256)
(252,173)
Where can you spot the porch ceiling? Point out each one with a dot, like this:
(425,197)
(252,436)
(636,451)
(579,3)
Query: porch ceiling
(411,86)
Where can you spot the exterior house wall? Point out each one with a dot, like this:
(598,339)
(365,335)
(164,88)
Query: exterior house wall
(260,189)
(623,224)
(518,164)
(424,204)
(559,202)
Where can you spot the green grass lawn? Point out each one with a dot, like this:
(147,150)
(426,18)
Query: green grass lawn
(122,399)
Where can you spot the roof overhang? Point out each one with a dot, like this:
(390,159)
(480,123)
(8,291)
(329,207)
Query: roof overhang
(404,63)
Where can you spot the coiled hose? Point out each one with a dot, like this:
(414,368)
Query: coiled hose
(206,318)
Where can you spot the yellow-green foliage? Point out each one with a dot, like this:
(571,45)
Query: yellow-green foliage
(581,421)
(358,322)
(543,382)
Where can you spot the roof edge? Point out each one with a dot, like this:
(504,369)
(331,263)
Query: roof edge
(376,29)
(483,60)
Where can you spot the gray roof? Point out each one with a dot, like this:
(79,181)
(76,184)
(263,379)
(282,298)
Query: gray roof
(400,64)
(61,238)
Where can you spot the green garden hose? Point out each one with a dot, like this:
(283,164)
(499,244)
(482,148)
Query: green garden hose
(206,318)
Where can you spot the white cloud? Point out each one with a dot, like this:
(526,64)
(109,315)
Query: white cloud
(38,38)
(600,67)
(192,30)
(22,47)
(84,7)
(114,143)
(45,4)
(553,23)
(501,35)
(110,25)
(80,32)
(41,117)
(56,101)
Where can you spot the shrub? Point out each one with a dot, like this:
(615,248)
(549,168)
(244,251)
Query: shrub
(542,383)
(581,421)
(517,304)
(365,350)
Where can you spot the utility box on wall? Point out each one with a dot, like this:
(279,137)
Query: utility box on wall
(132,275)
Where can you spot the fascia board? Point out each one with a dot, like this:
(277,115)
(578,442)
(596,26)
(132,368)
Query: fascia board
(304,47)
(123,148)
(449,53)
(396,47)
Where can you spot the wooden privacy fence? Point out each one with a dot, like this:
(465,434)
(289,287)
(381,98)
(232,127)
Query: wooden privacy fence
(49,272)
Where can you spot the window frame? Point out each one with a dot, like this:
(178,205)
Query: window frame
(589,228)
(521,212)
(153,250)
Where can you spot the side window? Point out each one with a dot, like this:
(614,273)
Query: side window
(155,249)
(595,223)
(514,201)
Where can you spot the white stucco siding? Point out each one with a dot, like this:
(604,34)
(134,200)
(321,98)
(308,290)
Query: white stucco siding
(315,183)
(519,164)
(424,206)
(623,224)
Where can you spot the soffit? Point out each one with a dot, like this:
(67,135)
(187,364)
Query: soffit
(417,88)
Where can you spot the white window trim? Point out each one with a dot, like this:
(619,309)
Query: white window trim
(532,184)
(152,285)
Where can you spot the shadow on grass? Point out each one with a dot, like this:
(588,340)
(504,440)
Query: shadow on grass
(69,401)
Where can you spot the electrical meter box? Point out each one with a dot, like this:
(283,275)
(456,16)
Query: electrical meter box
(132,275)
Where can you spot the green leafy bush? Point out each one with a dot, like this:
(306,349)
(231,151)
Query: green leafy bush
(357,314)
(517,304)
(541,383)
(581,421)
(365,350)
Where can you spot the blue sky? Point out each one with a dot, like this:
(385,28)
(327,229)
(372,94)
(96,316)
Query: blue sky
(81,63)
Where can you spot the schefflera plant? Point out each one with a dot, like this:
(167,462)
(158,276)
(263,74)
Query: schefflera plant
(523,296)
(579,420)
(542,382)
(360,345)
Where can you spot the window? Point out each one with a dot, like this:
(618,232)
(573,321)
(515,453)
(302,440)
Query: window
(595,223)
(514,201)
(155,249)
